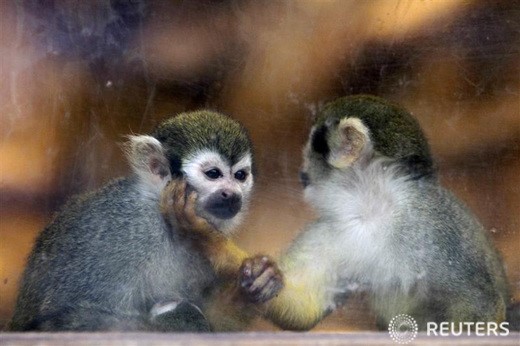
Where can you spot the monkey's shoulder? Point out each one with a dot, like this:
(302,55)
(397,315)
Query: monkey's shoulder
(104,218)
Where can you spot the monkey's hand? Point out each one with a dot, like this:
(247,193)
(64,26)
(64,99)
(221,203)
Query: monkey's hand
(178,205)
(260,279)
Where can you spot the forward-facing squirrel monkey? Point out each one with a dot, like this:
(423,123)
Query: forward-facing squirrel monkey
(111,260)
(385,226)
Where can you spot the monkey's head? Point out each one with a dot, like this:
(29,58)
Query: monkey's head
(214,154)
(353,130)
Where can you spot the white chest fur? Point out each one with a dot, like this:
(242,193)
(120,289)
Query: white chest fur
(360,208)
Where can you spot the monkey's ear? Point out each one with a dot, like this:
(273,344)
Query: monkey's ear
(346,142)
(148,160)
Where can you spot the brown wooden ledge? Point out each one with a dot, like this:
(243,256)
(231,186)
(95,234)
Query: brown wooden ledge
(249,338)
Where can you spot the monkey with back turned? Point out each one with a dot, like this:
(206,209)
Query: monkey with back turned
(119,259)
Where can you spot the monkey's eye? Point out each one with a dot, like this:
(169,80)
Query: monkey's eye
(213,173)
(241,175)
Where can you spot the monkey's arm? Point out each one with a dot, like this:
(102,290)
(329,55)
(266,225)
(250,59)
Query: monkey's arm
(225,256)
(300,304)
(296,308)
(311,285)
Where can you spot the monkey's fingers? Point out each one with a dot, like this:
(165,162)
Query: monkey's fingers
(178,198)
(270,290)
(179,192)
(252,268)
(261,292)
(196,222)
(260,279)
(246,278)
(191,222)
(266,286)
(258,264)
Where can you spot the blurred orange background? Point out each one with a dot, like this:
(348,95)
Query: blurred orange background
(77,76)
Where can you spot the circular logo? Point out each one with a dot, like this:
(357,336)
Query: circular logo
(402,329)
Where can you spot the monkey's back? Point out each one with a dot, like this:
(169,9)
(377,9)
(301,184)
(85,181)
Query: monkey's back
(107,253)
(456,271)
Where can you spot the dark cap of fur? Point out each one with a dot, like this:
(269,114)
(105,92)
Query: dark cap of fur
(393,130)
(187,133)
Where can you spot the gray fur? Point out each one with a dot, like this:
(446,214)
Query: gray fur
(103,262)
(109,259)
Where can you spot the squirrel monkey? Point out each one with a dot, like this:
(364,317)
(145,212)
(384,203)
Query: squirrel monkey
(111,260)
(385,226)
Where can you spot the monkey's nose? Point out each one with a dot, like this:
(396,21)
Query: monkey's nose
(304,179)
(225,204)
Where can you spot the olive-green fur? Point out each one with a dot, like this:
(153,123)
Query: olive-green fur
(187,133)
(394,132)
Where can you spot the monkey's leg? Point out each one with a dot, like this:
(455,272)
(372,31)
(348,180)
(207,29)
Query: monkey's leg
(177,316)
(477,306)
(228,310)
